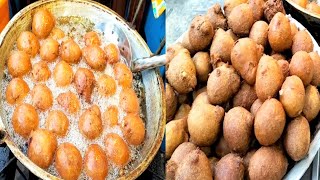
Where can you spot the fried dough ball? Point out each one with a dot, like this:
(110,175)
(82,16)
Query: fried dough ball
(129,101)
(313,7)
(62,74)
(84,81)
(90,124)
(18,63)
(28,43)
(91,38)
(56,34)
(110,116)
(70,51)
(57,122)
(68,161)
(133,129)
(40,72)
(123,74)
(69,101)
(42,146)
(16,91)
(94,108)
(95,162)
(106,85)
(112,53)
(42,23)
(42,97)
(49,50)
(95,57)
(302,3)
(25,119)
(116,149)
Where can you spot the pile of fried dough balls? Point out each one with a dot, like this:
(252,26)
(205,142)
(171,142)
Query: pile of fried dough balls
(43,146)
(241,91)
(311,6)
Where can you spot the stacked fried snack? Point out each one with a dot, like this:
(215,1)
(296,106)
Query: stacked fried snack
(241,91)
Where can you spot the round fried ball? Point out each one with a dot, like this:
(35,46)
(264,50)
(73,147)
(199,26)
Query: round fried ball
(84,81)
(42,23)
(110,116)
(57,122)
(40,72)
(56,34)
(123,74)
(129,101)
(116,149)
(95,57)
(95,162)
(91,38)
(112,53)
(28,43)
(69,101)
(68,161)
(302,3)
(16,91)
(49,50)
(106,85)
(313,7)
(302,42)
(18,63)
(90,124)
(302,66)
(94,108)
(133,129)
(25,119)
(42,97)
(70,51)
(42,146)
(62,74)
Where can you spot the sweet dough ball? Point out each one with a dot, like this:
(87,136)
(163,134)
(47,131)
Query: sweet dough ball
(133,129)
(40,72)
(42,97)
(84,81)
(57,122)
(25,119)
(49,50)
(56,34)
(42,146)
(94,108)
(68,161)
(42,23)
(106,85)
(116,149)
(18,63)
(112,53)
(111,116)
(95,162)
(28,43)
(69,101)
(62,74)
(129,101)
(16,91)
(123,75)
(90,124)
(95,57)
(241,19)
(70,51)
(91,38)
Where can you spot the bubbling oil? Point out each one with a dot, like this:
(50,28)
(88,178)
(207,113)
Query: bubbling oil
(73,135)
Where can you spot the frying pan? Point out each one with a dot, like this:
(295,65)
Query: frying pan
(152,82)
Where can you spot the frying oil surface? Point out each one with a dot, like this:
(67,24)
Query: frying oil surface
(76,31)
